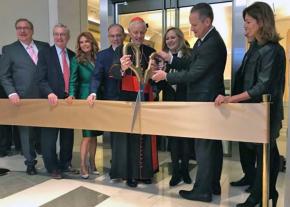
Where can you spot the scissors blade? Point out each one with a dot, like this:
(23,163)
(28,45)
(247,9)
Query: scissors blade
(136,110)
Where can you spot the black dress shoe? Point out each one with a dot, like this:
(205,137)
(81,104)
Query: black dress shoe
(175,179)
(191,195)
(186,178)
(55,174)
(3,171)
(249,189)
(31,170)
(147,181)
(216,189)
(242,182)
(132,183)
(3,154)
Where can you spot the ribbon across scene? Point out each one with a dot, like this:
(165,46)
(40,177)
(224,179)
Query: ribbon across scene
(233,122)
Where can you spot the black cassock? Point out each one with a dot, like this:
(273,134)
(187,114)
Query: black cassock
(134,156)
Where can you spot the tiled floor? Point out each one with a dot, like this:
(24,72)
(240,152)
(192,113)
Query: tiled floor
(20,190)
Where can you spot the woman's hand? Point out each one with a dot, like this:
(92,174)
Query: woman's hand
(220,99)
(69,100)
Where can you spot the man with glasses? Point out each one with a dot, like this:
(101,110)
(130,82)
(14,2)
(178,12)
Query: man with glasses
(103,85)
(102,82)
(18,78)
(54,71)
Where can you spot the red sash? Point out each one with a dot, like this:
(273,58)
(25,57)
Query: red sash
(130,83)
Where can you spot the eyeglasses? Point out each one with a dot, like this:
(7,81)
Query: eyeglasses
(59,34)
(23,28)
(115,36)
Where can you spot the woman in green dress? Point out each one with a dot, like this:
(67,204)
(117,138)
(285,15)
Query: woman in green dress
(81,70)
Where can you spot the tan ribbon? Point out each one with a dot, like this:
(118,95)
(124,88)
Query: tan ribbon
(234,122)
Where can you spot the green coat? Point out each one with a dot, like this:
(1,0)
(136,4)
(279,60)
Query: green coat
(80,78)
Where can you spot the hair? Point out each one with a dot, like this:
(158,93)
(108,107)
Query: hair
(181,41)
(264,15)
(24,20)
(80,55)
(204,10)
(117,25)
(60,25)
(137,20)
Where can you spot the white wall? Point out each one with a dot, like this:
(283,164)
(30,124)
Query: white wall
(44,14)
(34,10)
(72,13)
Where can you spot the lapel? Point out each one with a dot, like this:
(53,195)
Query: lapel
(70,54)
(57,64)
(24,52)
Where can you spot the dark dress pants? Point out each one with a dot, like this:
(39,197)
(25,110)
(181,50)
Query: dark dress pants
(35,138)
(209,163)
(248,157)
(3,140)
(180,150)
(274,170)
(27,149)
(48,145)
(217,162)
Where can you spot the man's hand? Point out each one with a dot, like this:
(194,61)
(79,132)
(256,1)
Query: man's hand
(91,98)
(52,99)
(125,62)
(14,99)
(159,75)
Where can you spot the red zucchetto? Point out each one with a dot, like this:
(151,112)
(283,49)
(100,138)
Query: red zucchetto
(137,19)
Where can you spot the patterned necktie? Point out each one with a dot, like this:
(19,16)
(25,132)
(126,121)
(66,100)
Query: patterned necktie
(199,42)
(65,69)
(32,54)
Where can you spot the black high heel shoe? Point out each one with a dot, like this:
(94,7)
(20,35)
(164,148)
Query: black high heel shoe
(252,202)
(274,196)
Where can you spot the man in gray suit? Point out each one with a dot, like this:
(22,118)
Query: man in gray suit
(204,79)
(19,80)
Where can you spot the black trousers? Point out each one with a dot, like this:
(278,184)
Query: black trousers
(248,158)
(209,157)
(180,149)
(4,147)
(9,135)
(48,145)
(274,170)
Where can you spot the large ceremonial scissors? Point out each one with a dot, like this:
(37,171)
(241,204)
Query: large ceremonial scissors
(142,76)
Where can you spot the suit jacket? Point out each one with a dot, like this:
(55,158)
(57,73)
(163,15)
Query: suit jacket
(50,76)
(263,72)
(18,72)
(204,77)
(2,92)
(80,78)
(102,83)
(174,92)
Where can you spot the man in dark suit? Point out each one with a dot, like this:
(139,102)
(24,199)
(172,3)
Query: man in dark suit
(53,67)
(103,85)
(204,79)
(3,135)
(101,78)
(19,79)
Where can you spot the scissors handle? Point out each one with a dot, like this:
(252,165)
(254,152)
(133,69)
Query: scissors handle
(137,67)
